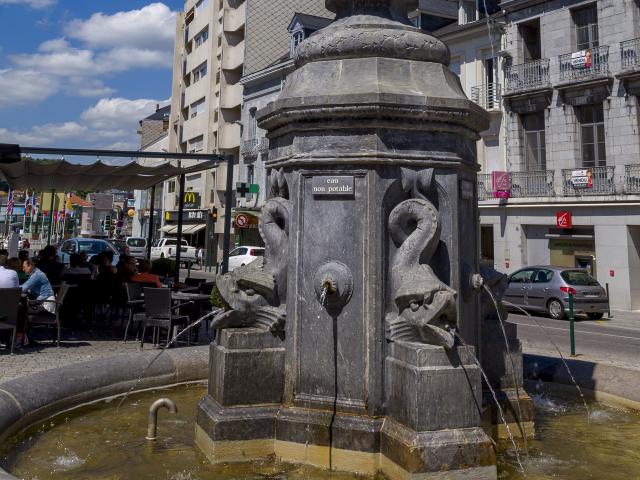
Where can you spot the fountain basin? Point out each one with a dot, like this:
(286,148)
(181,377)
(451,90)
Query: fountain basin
(98,441)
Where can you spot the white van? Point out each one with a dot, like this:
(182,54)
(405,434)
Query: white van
(137,247)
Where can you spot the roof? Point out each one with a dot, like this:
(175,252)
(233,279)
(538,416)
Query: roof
(309,21)
(266,36)
(79,201)
(159,114)
(60,175)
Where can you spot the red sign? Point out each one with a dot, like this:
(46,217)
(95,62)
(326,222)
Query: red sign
(612,273)
(563,219)
(242,221)
(501,183)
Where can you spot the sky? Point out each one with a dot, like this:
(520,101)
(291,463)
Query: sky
(82,73)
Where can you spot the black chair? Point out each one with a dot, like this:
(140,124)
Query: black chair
(135,306)
(159,314)
(194,282)
(37,315)
(10,304)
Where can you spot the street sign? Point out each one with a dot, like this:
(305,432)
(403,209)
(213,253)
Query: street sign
(242,221)
(563,219)
(244,189)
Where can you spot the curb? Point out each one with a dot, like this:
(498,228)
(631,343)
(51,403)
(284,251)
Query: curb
(28,400)
(598,381)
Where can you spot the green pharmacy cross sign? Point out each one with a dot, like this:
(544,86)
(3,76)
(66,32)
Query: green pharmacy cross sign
(244,189)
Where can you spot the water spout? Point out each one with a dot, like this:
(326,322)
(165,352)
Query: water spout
(495,398)
(564,362)
(520,418)
(152,428)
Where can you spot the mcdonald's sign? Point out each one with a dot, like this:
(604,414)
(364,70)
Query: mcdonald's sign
(191,200)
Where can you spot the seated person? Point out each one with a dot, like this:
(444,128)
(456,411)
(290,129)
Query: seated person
(8,276)
(143,275)
(75,267)
(38,285)
(50,265)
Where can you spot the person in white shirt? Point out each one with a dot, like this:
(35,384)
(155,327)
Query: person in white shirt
(8,278)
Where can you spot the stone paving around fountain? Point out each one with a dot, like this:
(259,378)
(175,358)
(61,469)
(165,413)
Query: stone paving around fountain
(76,347)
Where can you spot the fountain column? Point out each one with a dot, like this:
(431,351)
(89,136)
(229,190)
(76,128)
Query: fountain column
(373,150)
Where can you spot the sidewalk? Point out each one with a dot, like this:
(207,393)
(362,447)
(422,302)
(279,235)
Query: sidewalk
(76,346)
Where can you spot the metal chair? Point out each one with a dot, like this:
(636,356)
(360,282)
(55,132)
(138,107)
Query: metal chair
(135,306)
(10,301)
(38,316)
(159,313)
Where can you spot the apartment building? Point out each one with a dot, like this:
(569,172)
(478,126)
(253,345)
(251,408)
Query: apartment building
(273,30)
(568,191)
(206,98)
(154,137)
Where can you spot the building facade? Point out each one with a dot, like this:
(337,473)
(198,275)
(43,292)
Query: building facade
(207,96)
(570,82)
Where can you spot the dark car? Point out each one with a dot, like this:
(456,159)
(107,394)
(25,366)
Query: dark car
(546,289)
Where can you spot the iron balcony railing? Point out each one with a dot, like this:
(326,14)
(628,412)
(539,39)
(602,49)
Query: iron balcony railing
(589,181)
(532,184)
(632,178)
(630,54)
(584,64)
(487,96)
(527,76)
(485,191)
(249,147)
(263,145)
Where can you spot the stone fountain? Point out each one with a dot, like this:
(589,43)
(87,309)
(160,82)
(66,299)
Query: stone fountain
(337,348)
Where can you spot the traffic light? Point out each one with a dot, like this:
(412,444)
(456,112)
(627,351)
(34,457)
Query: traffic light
(214,214)
(107,222)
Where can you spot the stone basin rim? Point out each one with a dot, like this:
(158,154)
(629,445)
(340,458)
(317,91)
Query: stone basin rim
(612,380)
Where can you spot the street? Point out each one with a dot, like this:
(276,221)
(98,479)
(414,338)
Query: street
(615,341)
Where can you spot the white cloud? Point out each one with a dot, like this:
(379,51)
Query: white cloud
(24,87)
(30,3)
(71,61)
(87,87)
(111,123)
(54,45)
(46,134)
(151,27)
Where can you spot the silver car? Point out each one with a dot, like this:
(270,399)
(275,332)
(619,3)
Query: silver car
(546,289)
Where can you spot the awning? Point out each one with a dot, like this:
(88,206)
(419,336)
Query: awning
(186,229)
(60,175)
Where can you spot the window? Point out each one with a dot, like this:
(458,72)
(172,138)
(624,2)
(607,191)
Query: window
(250,174)
(253,124)
(197,108)
(586,24)
(202,37)
(467,11)
(239,251)
(531,41)
(523,276)
(593,152)
(196,144)
(200,6)
(199,72)
(543,276)
(534,142)
(171,186)
(297,37)
(194,177)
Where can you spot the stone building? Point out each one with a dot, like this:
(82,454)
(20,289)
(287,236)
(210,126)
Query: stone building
(273,30)
(570,74)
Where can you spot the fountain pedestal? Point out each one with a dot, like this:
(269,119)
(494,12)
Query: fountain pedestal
(373,200)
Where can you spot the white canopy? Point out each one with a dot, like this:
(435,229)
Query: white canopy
(60,175)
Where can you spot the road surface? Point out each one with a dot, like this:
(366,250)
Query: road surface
(615,341)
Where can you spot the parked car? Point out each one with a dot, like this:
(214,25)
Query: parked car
(120,245)
(166,248)
(546,289)
(244,255)
(93,246)
(137,246)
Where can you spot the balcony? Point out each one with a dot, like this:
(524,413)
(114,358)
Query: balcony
(485,190)
(630,54)
(602,182)
(487,96)
(632,179)
(585,64)
(532,184)
(234,19)
(527,76)
(263,146)
(249,148)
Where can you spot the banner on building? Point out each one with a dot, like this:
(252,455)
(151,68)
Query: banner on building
(501,184)
(581,59)
(582,178)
